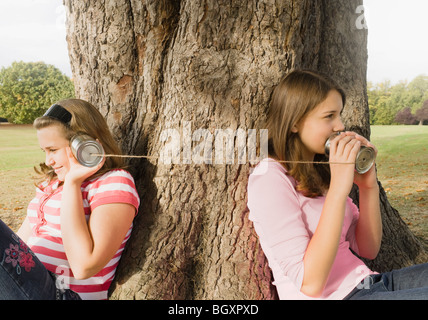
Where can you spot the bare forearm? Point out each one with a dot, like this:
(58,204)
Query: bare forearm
(369,228)
(77,240)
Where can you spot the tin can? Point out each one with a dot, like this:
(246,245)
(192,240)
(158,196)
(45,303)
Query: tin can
(86,150)
(365,157)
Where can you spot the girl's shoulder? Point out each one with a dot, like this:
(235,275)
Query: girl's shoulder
(114,186)
(115,176)
(270,173)
(268,167)
(116,172)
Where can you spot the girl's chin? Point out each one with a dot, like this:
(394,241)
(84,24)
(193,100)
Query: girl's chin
(60,176)
(61,173)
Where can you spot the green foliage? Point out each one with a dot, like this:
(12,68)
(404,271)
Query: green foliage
(385,100)
(422,113)
(27,89)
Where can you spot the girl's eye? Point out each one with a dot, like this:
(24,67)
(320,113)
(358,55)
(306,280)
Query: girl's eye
(49,150)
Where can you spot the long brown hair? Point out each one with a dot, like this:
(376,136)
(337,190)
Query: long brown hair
(85,119)
(295,96)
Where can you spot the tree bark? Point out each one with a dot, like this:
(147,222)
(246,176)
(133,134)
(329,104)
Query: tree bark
(191,65)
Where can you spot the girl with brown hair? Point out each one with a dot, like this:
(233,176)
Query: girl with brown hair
(299,204)
(71,241)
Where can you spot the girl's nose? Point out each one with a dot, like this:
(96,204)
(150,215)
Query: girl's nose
(49,160)
(339,126)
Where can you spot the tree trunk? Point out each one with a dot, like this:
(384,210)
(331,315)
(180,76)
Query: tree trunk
(159,70)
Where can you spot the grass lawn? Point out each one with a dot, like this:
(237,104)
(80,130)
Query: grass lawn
(401,163)
(19,148)
(19,153)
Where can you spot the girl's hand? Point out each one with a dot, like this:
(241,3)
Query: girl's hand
(367,180)
(346,147)
(343,152)
(79,173)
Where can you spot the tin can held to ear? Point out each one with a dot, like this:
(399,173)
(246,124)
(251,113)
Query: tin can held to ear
(86,150)
(365,157)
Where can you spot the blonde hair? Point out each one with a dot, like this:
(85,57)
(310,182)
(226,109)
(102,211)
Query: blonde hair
(295,96)
(85,119)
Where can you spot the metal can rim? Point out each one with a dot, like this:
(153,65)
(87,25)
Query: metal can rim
(78,145)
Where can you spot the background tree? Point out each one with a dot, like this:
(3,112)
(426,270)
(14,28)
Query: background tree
(386,100)
(378,99)
(27,89)
(405,116)
(190,64)
(417,92)
(422,113)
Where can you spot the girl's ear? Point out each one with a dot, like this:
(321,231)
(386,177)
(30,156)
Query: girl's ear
(294,129)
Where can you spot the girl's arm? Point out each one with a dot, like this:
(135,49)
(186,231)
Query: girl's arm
(322,248)
(89,246)
(368,232)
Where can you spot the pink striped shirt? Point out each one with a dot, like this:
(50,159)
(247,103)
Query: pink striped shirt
(285,221)
(116,186)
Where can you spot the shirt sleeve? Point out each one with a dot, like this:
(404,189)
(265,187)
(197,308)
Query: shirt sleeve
(275,208)
(114,187)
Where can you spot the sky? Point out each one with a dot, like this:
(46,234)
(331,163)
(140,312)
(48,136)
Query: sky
(34,30)
(397,39)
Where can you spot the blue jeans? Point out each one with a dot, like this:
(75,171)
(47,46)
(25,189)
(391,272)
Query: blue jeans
(409,283)
(22,275)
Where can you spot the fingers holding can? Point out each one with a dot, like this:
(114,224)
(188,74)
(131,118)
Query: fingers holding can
(360,148)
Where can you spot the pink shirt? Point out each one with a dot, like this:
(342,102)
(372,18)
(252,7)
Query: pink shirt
(285,221)
(116,186)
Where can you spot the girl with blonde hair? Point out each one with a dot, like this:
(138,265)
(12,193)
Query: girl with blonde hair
(76,227)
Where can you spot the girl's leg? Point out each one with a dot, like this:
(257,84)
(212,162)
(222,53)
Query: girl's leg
(22,275)
(409,278)
(409,283)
